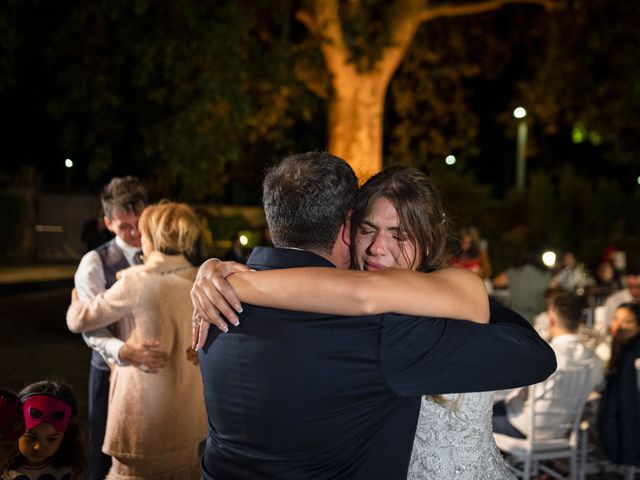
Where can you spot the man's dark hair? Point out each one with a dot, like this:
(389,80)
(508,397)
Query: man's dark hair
(568,307)
(307,198)
(126,193)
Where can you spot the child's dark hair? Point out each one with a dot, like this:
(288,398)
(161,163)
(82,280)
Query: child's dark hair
(71,450)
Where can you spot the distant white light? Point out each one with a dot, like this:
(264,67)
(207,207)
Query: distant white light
(519,112)
(243,239)
(450,160)
(549,258)
(68,163)
(638,180)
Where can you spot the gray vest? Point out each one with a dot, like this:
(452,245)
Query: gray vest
(113,260)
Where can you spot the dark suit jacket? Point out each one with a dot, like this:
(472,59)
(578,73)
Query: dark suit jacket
(299,395)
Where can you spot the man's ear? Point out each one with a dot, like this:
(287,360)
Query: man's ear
(346,230)
(108,224)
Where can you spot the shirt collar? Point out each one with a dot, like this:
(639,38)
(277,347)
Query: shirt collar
(128,250)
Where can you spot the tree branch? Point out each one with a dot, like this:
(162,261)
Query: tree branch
(405,18)
(456,10)
(324,21)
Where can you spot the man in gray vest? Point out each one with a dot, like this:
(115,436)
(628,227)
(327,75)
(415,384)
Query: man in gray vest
(123,200)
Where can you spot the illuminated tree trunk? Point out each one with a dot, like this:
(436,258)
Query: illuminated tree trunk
(357,108)
(355,122)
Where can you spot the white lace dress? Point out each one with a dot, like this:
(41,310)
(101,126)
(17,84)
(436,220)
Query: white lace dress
(454,440)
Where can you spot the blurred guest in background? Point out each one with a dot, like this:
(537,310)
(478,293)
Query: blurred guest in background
(607,282)
(471,254)
(619,409)
(631,293)
(512,417)
(573,276)
(527,280)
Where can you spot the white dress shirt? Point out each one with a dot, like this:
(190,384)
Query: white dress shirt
(569,351)
(89,281)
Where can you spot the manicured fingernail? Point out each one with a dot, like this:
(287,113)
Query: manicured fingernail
(237,323)
(238,308)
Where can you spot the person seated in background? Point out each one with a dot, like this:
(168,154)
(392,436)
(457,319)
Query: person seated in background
(607,282)
(511,416)
(631,293)
(471,255)
(573,276)
(541,321)
(619,408)
(527,280)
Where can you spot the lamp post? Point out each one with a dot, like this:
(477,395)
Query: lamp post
(68,163)
(520,113)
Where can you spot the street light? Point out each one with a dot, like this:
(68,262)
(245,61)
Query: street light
(68,163)
(520,113)
(549,258)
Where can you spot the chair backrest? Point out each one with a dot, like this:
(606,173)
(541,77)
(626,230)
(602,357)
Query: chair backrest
(558,402)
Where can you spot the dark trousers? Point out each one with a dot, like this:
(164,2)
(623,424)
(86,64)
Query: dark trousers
(501,423)
(99,463)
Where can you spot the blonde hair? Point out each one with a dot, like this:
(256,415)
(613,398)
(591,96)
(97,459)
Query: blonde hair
(173,228)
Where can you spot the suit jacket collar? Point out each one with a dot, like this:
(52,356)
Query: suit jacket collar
(267,258)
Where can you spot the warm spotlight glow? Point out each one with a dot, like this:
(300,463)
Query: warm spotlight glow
(450,160)
(243,240)
(519,112)
(68,163)
(549,258)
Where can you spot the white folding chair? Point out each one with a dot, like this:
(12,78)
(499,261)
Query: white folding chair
(555,410)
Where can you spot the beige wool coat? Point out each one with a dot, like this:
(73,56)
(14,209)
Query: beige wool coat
(159,415)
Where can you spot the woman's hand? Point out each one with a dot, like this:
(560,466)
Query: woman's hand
(192,355)
(144,355)
(213,297)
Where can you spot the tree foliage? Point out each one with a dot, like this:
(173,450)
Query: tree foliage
(587,78)
(178,91)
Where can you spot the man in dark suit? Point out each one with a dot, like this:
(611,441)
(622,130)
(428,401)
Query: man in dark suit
(300,395)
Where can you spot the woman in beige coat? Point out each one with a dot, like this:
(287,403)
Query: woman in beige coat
(155,421)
